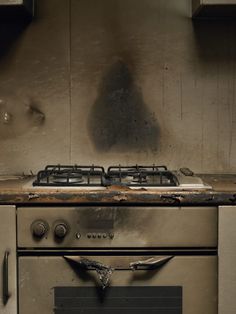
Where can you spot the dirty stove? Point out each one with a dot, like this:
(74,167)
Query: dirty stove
(113,258)
(133,177)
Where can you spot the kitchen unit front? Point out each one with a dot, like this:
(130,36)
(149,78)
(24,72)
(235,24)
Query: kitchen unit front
(120,82)
(157,250)
(184,284)
(113,259)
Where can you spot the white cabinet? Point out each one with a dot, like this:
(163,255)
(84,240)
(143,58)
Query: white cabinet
(214,8)
(227,260)
(8,291)
(17,9)
(221,2)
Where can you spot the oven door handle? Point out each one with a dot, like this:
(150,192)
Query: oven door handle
(151,263)
(6,294)
(148,264)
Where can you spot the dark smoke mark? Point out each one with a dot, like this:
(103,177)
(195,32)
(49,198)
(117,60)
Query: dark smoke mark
(104,272)
(119,118)
(35,114)
(18,120)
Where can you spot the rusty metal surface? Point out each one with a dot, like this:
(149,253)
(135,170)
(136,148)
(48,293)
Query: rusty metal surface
(223,193)
(102,198)
(119,197)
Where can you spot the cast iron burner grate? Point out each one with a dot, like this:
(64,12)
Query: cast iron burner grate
(132,176)
(59,175)
(145,176)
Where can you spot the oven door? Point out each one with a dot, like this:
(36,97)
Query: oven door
(146,284)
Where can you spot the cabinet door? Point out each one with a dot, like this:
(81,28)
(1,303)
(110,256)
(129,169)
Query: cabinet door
(8,289)
(227,259)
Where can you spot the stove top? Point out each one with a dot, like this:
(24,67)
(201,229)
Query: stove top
(129,176)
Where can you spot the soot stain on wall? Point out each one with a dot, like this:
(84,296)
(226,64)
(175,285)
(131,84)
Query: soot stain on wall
(119,118)
(35,115)
(18,120)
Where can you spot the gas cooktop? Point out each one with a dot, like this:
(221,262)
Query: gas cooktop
(129,176)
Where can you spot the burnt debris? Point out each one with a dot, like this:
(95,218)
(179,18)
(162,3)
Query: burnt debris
(104,271)
(35,114)
(18,120)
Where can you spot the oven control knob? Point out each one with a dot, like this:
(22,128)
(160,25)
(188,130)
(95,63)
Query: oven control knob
(39,229)
(60,230)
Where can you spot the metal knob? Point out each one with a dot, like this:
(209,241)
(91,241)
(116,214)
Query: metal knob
(60,230)
(39,229)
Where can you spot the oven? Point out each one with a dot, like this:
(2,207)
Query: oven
(184,284)
(117,259)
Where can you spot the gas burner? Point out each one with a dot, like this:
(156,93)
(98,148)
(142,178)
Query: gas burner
(130,176)
(143,176)
(139,178)
(71,178)
(58,175)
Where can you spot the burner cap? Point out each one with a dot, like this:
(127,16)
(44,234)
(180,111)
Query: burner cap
(67,177)
(139,178)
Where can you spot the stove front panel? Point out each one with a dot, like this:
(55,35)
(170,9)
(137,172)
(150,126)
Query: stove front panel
(117,227)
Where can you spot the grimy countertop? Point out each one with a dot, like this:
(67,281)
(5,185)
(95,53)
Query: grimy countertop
(18,190)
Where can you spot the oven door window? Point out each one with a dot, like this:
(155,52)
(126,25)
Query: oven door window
(182,285)
(114,300)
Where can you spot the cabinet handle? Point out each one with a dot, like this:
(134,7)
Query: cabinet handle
(6,294)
